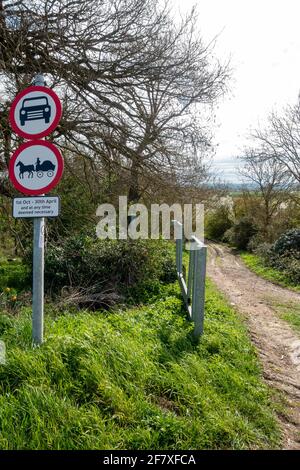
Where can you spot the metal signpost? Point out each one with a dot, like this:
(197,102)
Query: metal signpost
(35,168)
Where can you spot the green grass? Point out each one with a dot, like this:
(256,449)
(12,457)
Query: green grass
(13,273)
(288,311)
(255,263)
(134,379)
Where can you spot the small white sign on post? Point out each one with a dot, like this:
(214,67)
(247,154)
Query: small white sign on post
(29,207)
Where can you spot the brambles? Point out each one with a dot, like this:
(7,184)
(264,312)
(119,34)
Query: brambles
(104,272)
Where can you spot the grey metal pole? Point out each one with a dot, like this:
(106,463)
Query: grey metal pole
(198,300)
(38,281)
(38,267)
(190,276)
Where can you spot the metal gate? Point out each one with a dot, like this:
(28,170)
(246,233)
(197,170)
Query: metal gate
(192,288)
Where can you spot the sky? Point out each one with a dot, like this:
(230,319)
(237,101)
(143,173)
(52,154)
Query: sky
(262,40)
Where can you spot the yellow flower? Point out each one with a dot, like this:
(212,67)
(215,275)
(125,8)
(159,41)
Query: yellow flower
(7,289)
(14,298)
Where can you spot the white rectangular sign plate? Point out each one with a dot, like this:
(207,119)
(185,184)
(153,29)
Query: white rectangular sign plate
(40,206)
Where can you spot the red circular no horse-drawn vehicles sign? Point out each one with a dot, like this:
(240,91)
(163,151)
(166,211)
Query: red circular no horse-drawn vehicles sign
(36,167)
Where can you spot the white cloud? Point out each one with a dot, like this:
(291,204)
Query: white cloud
(262,38)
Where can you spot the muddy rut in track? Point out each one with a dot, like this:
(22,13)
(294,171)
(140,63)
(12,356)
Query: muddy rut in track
(277,344)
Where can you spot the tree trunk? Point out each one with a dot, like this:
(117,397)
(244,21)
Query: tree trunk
(134,193)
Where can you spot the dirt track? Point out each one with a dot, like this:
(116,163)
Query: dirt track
(277,344)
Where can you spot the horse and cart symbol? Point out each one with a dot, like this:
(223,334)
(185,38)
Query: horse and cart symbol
(46,167)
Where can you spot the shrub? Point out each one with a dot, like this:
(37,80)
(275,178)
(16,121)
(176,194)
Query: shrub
(288,263)
(288,241)
(240,233)
(283,255)
(292,269)
(217,223)
(264,250)
(105,271)
(256,243)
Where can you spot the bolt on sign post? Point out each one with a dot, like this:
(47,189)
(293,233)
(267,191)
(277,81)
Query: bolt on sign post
(35,168)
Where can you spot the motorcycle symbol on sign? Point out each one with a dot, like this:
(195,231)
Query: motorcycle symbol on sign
(47,167)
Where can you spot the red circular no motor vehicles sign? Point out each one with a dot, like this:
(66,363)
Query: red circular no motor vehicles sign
(36,167)
(35,112)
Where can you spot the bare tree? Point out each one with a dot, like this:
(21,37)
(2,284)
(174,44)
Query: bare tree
(272,185)
(133,83)
(281,139)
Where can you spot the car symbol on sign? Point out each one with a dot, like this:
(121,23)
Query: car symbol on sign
(35,108)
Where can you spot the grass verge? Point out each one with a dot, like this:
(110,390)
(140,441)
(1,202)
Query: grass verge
(255,263)
(134,379)
(288,311)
